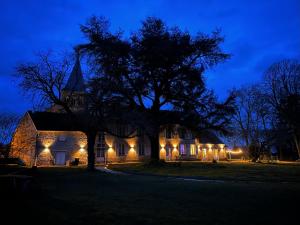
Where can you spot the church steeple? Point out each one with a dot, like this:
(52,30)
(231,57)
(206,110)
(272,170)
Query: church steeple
(75,82)
(74,91)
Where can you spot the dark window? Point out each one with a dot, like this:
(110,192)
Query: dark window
(168,133)
(139,132)
(168,150)
(123,130)
(141,149)
(181,132)
(100,147)
(121,149)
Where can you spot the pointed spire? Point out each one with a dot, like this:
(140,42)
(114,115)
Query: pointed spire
(75,81)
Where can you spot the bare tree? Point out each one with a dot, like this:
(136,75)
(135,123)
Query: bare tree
(44,81)
(282,87)
(8,123)
(251,120)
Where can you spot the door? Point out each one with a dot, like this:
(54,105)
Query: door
(60,158)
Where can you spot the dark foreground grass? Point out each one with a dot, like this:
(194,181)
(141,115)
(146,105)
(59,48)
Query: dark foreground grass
(8,169)
(74,196)
(236,171)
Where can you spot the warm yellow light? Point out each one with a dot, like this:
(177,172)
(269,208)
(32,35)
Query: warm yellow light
(47,150)
(239,151)
(131,149)
(110,149)
(81,149)
(48,141)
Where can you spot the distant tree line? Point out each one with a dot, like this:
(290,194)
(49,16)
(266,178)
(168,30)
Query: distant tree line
(267,114)
(8,124)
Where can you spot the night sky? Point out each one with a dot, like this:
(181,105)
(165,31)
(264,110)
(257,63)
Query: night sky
(257,33)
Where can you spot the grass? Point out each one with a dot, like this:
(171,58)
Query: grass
(245,171)
(75,196)
(7,169)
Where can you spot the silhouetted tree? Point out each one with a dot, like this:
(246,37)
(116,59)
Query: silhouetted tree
(158,68)
(44,81)
(282,86)
(251,121)
(8,123)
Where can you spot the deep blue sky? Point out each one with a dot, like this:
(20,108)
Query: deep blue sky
(257,32)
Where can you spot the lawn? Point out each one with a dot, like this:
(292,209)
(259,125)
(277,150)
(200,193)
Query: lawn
(75,196)
(235,171)
(7,169)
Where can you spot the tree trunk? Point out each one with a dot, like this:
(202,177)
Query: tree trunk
(91,137)
(154,140)
(297,145)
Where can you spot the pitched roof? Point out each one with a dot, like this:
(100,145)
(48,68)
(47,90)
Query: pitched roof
(63,122)
(53,121)
(208,137)
(75,81)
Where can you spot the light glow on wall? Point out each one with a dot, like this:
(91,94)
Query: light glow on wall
(48,141)
(239,151)
(110,149)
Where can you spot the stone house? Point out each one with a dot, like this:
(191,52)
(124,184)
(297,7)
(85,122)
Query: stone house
(50,138)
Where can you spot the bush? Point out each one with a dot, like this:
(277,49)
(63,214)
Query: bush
(75,162)
(5,161)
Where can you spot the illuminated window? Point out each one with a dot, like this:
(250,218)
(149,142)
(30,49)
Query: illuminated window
(193,149)
(182,149)
(204,153)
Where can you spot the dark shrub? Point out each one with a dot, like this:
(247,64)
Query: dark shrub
(5,161)
(75,162)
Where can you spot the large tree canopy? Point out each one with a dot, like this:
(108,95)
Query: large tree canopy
(158,68)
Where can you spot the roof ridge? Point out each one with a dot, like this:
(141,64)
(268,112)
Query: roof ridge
(75,81)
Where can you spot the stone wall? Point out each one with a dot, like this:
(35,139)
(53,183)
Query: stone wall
(169,149)
(73,143)
(24,141)
(131,146)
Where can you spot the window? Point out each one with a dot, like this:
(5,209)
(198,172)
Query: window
(141,149)
(168,150)
(188,135)
(123,130)
(168,133)
(100,147)
(139,132)
(121,149)
(181,132)
(193,149)
(182,149)
(62,138)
